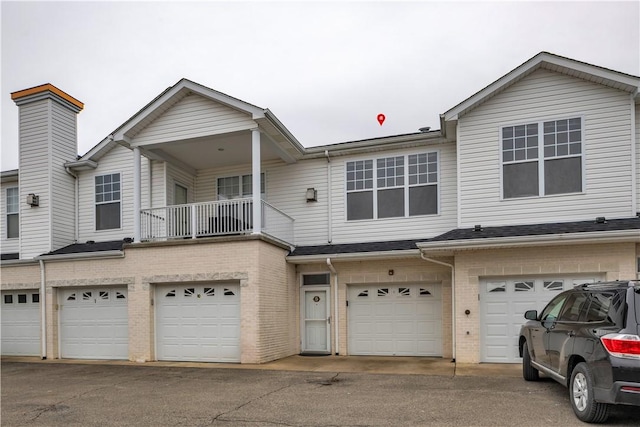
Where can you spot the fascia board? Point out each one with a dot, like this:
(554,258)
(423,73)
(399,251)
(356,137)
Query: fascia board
(356,256)
(10,175)
(81,165)
(544,240)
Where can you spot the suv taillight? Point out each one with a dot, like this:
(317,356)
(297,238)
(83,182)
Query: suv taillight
(622,345)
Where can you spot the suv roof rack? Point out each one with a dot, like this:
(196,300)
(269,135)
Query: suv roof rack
(608,284)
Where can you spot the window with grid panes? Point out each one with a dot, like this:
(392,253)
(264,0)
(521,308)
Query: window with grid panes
(107,199)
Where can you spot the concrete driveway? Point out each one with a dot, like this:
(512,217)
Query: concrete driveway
(125,394)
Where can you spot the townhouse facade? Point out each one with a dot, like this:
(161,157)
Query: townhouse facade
(202,230)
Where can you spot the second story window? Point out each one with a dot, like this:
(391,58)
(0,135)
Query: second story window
(542,158)
(13,219)
(398,186)
(233,187)
(108,199)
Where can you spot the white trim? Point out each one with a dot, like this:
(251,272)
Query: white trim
(547,239)
(81,255)
(458,183)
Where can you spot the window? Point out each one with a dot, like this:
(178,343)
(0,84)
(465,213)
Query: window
(552,310)
(315,279)
(13,206)
(392,187)
(574,306)
(532,168)
(234,187)
(108,201)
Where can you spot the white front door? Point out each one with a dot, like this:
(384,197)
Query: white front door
(316,321)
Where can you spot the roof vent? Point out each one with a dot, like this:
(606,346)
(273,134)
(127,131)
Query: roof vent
(477,227)
(425,129)
(601,220)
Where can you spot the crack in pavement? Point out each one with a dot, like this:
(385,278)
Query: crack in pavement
(217,417)
(53,406)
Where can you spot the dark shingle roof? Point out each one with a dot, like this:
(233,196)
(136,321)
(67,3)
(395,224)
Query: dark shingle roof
(77,248)
(347,248)
(539,229)
(469,233)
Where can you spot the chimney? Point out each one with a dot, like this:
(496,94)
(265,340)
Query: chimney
(47,139)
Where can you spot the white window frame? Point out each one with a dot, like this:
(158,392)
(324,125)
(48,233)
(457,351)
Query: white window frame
(406,185)
(263,180)
(95,203)
(12,212)
(541,158)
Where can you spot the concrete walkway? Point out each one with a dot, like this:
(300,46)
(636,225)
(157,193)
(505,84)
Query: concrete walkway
(365,364)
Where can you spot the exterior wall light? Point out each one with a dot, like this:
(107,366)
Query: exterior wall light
(312,195)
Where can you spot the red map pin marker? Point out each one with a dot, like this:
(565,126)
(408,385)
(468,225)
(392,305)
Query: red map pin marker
(381,118)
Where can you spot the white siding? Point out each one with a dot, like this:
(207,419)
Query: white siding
(64,149)
(118,160)
(34,177)
(546,95)
(158,184)
(7,246)
(192,117)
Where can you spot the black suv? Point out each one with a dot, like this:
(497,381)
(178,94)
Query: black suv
(588,338)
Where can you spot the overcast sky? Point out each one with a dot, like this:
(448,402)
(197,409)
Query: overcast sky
(325,69)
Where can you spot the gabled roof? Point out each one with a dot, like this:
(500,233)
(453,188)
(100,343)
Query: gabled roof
(549,61)
(169,97)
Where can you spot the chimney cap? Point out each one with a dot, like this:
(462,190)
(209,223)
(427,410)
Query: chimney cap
(42,90)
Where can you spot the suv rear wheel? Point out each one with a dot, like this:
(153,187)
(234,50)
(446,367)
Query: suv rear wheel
(582,399)
(529,373)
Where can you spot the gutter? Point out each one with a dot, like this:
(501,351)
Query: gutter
(335,307)
(632,235)
(453,300)
(81,255)
(43,311)
(355,256)
(634,153)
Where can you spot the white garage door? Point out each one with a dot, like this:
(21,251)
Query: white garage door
(198,322)
(21,323)
(503,303)
(94,323)
(395,320)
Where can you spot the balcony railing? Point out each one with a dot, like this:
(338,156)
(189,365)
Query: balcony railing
(220,218)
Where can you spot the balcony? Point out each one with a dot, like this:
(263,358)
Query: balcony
(208,219)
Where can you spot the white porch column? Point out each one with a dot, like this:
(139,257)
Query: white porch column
(255,174)
(137,194)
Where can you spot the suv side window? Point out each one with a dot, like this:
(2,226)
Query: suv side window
(603,306)
(576,303)
(552,310)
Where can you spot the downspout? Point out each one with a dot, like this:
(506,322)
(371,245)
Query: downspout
(453,299)
(329,224)
(76,230)
(335,306)
(43,311)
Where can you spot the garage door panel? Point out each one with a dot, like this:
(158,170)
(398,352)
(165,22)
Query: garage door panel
(201,323)
(94,323)
(503,304)
(395,320)
(20,323)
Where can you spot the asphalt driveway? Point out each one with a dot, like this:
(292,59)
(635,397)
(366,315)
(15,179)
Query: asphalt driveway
(43,394)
